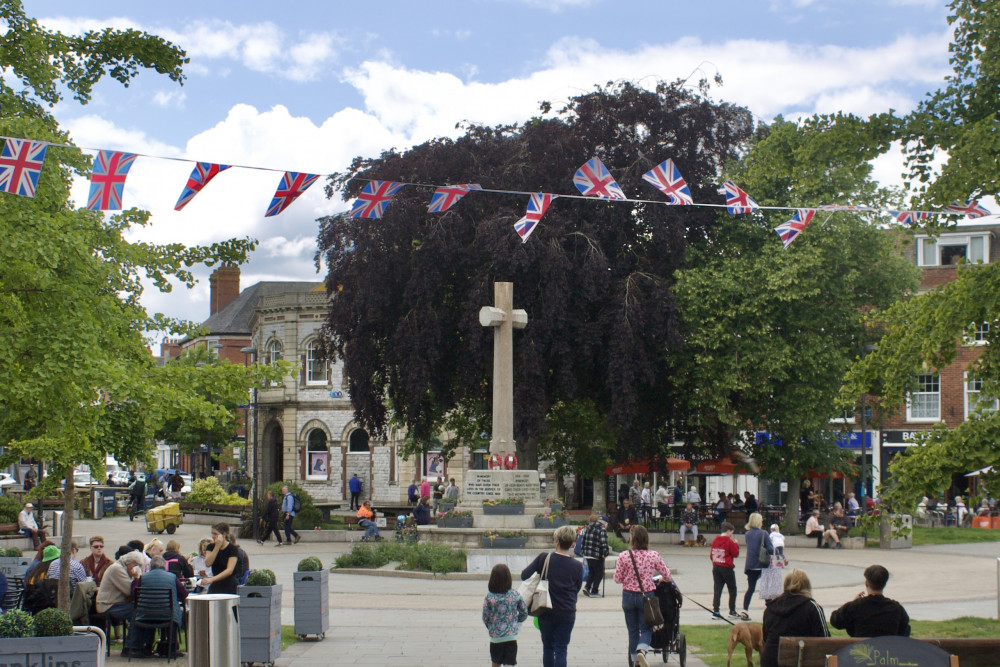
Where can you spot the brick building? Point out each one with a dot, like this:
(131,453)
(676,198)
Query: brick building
(946,395)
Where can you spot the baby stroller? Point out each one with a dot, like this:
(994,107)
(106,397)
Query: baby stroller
(669,639)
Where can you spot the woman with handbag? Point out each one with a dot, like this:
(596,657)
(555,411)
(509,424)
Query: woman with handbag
(634,571)
(564,575)
(759,552)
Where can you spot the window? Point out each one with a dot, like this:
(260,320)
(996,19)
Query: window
(272,353)
(952,249)
(317,455)
(358,441)
(981,332)
(975,399)
(924,404)
(316,369)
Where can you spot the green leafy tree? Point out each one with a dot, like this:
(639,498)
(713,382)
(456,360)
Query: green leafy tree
(771,332)
(578,440)
(958,123)
(595,278)
(79,379)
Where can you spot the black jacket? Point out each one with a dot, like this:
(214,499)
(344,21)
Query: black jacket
(790,616)
(271,510)
(565,580)
(872,616)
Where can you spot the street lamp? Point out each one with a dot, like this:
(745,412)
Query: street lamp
(864,501)
(247,353)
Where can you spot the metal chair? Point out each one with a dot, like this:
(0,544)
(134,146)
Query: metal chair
(11,600)
(154,608)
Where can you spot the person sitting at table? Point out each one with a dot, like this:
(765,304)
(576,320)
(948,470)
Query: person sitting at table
(159,578)
(114,597)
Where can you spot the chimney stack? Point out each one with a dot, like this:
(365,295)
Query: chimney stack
(225,286)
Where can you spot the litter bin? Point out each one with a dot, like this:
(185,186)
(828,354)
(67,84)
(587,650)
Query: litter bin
(889,541)
(57,522)
(213,630)
(96,503)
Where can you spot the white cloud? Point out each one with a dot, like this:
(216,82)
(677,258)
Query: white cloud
(171,98)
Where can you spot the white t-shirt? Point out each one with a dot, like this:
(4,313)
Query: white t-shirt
(777,539)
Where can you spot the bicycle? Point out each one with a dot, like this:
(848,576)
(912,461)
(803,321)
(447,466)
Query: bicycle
(133,507)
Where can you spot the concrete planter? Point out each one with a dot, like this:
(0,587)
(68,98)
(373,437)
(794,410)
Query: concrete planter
(446,505)
(14,566)
(454,522)
(82,650)
(504,542)
(503,510)
(312,603)
(555,506)
(260,623)
(545,522)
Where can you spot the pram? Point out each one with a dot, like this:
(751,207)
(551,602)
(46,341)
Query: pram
(669,639)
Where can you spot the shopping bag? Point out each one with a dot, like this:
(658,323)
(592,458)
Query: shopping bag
(770,582)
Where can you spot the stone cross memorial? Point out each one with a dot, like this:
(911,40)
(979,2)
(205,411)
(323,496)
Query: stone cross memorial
(495,484)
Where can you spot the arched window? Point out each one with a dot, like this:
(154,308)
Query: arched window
(316,367)
(358,441)
(317,455)
(272,353)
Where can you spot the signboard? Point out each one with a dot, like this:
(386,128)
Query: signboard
(853,441)
(902,438)
(496,484)
(319,464)
(891,650)
(108,500)
(14,566)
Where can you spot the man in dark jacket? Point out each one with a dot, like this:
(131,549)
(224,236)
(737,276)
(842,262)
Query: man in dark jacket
(626,519)
(271,514)
(871,614)
(595,549)
(422,512)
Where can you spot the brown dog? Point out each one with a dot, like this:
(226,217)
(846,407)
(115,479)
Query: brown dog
(751,635)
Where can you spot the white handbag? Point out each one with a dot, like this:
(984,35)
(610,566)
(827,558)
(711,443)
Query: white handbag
(535,591)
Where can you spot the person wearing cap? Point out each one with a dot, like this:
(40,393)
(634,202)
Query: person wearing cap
(29,527)
(595,549)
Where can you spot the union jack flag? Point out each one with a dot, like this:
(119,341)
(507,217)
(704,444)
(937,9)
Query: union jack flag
(537,205)
(292,184)
(594,180)
(202,173)
(789,231)
(910,217)
(108,180)
(374,198)
(666,178)
(449,195)
(971,209)
(21,165)
(737,201)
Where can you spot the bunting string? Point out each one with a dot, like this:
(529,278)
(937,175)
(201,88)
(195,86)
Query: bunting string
(21,162)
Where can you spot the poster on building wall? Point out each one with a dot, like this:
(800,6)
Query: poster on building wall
(319,464)
(434,465)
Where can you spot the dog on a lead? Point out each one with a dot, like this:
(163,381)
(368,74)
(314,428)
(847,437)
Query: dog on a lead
(751,635)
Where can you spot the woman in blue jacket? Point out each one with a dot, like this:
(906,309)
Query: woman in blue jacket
(755,536)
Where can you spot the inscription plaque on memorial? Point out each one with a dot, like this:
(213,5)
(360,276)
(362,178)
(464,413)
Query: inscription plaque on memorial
(496,484)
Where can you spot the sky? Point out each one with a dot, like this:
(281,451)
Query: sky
(309,86)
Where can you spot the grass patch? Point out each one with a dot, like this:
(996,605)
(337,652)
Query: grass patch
(420,557)
(710,642)
(952,535)
(288,636)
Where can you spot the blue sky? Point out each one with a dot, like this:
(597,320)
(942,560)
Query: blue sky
(309,85)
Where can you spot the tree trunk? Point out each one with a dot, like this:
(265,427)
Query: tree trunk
(791,525)
(69,502)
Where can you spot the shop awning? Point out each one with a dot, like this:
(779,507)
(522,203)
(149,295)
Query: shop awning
(645,466)
(716,467)
(977,473)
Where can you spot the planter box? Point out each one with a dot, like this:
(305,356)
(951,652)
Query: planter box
(505,542)
(225,509)
(454,522)
(544,522)
(80,650)
(446,506)
(312,603)
(505,510)
(14,566)
(260,623)
(555,507)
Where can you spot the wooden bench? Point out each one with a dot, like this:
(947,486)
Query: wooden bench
(814,650)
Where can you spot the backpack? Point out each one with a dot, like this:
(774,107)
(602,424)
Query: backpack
(296,503)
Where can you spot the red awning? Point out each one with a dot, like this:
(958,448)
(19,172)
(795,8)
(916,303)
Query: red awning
(646,466)
(716,467)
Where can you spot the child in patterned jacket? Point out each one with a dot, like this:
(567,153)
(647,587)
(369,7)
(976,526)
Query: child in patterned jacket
(503,613)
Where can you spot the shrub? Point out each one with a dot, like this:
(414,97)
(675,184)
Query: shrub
(309,516)
(53,623)
(310,564)
(503,501)
(426,557)
(9,509)
(11,552)
(208,491)
(617,544)
(17,623)
(261,578)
